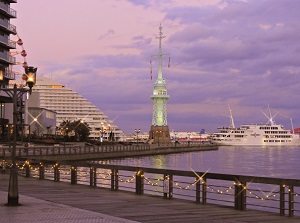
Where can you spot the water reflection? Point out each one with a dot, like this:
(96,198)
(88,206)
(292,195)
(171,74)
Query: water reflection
(281,162)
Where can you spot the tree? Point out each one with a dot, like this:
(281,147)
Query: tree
(64,127)
(81,130)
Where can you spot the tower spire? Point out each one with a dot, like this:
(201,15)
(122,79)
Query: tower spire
(160,55)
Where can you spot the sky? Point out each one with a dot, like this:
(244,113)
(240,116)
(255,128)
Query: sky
(242,54)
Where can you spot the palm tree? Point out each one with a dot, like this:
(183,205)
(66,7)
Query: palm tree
(79,128)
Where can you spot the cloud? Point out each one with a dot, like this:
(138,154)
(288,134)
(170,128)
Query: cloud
(109,34)
(242,53)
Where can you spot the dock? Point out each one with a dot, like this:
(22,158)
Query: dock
(49,201)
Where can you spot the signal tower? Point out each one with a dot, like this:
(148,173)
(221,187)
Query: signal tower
(159,132)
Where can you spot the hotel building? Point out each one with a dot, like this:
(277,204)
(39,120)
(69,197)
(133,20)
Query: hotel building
(6,60)
(70,106)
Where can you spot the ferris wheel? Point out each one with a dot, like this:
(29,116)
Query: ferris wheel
(22,52)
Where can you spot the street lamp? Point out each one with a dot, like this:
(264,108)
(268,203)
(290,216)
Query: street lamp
(137,131)
(17,94)
(65,135)
(102,131)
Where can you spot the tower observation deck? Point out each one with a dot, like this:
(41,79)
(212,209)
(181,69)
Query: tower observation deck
(159,132)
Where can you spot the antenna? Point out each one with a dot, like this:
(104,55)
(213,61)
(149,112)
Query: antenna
(270,117)
(293,130)
(231,118)
(159,56)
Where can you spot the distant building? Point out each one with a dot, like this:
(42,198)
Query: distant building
(41,121)
(70,106)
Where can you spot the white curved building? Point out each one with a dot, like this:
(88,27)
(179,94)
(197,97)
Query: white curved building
(69,105)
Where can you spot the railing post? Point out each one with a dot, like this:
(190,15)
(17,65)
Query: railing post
(166,186)
(73,175)
(139,182)
(41,171)
(282,200)
(3,165)
(93,177)
(56,173)
(204,191)
(112,180)
(170,186)
(291,201)
(198,190)
(240,196)
(27,169)
(116,180)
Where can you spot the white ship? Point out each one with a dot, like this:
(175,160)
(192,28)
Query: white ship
(269,134)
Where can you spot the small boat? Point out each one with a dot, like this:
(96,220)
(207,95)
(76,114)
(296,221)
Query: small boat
(269,134)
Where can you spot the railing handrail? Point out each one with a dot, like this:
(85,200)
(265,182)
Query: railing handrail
(210,175)
(23,151)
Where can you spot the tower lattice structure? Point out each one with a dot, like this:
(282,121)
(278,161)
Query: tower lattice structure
(159,132)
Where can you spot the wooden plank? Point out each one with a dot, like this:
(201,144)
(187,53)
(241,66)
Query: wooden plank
(141,208)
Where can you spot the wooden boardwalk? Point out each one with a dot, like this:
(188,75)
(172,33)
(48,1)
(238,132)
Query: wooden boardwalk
(141,208)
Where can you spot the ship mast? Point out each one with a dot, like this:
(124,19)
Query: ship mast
(231,118)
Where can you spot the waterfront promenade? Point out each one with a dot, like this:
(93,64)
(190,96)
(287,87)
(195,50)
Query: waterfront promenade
(75,153)
(48,201)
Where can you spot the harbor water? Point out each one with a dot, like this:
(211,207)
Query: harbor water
(278,162)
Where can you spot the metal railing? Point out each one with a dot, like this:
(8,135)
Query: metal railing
(238,191)
(74,152)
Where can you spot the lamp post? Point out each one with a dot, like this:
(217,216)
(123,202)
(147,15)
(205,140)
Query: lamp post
(137,131)
(65,135)
(16,94)
(102,131)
